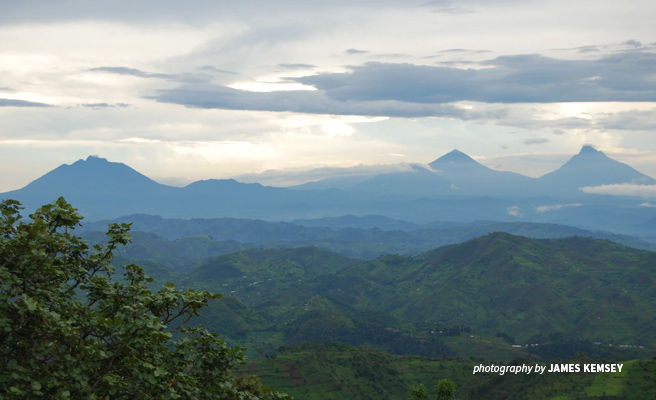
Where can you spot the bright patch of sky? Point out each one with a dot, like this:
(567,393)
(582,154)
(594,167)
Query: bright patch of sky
(218,89)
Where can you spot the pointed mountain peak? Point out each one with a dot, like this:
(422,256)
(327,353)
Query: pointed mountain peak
(94,158)
(589,154)
(93,174)
(591,167)
(454,156)
(589,150)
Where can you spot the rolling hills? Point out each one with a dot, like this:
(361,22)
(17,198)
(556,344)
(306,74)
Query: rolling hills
(532,291)
(526,288)
(179,243)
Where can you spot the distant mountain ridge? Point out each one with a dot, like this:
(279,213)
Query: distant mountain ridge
(179,241)
(454,187)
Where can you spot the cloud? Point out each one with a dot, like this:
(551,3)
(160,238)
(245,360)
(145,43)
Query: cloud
(533,141)
(104,105)
(543,209)
(133,72)
(304,101)
(182,78)
(410,90)
(636,120)
(633,43)
(351,52)
(647,204)
(514,211)
(626,46)
(295,66)
(21,103)
(587,49)
(623,189)
(214,69)
(463,52)
(508,79)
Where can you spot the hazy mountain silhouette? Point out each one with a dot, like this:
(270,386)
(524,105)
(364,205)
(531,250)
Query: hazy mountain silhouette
(417,182)
(96,186)
(456,159)
(467,176)
(591,167)
(453,188)
(103,189)
(93,174)
(454,173)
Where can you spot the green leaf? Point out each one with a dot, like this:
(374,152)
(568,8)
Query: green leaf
(71,322)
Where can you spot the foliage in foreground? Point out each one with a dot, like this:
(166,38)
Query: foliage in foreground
(68,330)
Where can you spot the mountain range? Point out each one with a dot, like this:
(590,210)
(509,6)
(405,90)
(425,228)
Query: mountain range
(454,187)
(456,173)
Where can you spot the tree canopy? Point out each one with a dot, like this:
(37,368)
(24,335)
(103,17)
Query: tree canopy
(70,329)
(444,390)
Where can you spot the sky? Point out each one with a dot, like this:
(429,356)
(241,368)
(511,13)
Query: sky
(287,91)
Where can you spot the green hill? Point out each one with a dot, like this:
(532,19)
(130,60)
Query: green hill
(561,294)
(255,265)
(198,238)
(578,287)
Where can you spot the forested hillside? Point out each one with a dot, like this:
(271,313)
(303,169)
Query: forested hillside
(544,292)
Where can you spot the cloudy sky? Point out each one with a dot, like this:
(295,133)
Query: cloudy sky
(202,89)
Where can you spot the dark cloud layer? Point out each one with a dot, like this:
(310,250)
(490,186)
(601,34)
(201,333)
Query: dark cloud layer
(295,66)
(133,72)
(409,90)
(351,52)
(508,79)
(183,78)
(21,103)
(311,102)
(631,45)
(104,105)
